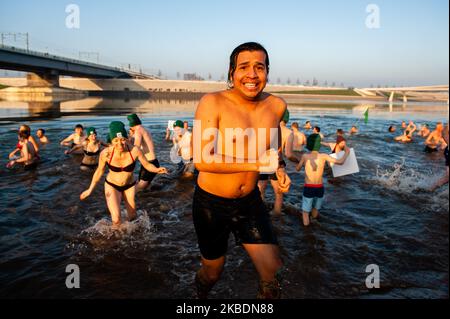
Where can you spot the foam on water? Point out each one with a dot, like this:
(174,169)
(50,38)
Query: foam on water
(440,200)
(139,233)
(402,179)
(414,185)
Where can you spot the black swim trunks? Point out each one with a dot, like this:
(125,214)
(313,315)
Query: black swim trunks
(267,177)
(31,166)
(216,217)
(446,156)
(147,176)
(430,150)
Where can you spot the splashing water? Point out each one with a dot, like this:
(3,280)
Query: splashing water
(138,233)
(401,179)
(440,200)
(379,216)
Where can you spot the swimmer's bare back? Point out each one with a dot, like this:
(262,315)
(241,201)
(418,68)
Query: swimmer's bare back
(144,140)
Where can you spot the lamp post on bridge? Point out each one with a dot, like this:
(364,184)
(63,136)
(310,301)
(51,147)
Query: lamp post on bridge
(88,55)
(16,35)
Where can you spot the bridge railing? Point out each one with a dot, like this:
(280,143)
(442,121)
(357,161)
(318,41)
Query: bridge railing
(64,59)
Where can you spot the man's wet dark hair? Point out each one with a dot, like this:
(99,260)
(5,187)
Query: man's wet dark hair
(249,46)
(42,130)
(79,126)
(317,129)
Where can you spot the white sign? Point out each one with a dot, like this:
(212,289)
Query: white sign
(349,167)
(170,125)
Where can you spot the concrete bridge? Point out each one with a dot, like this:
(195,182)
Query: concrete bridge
(436,92)
(44,69)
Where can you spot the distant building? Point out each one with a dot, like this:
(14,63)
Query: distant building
(192,77)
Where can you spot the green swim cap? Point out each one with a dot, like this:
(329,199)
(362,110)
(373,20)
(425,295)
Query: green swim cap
(91,130)
(134,120)
(117,130)
(313,143)
(286,116)
(179,124)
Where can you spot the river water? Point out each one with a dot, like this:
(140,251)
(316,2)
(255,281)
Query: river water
(379,216)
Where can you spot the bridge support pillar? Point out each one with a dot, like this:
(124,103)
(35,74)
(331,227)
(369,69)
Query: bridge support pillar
(405,99)
(391,99)
(47,79)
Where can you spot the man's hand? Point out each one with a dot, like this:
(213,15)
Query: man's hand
(284,182)
(162,170)
(268,163)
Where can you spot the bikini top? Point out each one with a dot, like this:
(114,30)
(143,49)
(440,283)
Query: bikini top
(335,148)
(92,153)
(129,168)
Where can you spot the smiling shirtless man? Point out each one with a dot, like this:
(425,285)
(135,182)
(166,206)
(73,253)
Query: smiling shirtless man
(227,198)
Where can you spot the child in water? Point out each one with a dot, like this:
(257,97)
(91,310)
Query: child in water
(314,163)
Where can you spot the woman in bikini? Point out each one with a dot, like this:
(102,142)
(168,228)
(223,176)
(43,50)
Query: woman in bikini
(120,183)
(28,155)
(27,130)
(91,148)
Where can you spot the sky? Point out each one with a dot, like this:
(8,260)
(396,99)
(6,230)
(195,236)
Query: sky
(324,39)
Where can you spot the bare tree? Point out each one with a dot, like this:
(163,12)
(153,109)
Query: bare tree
(178,75)
(315,82)
(298,81)
(289,81)
(278,81)
(209,77)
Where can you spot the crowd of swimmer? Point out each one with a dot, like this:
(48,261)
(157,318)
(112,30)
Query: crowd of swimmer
(294,142)
(119,153)
(123,149)
(137,145)
(434,141)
